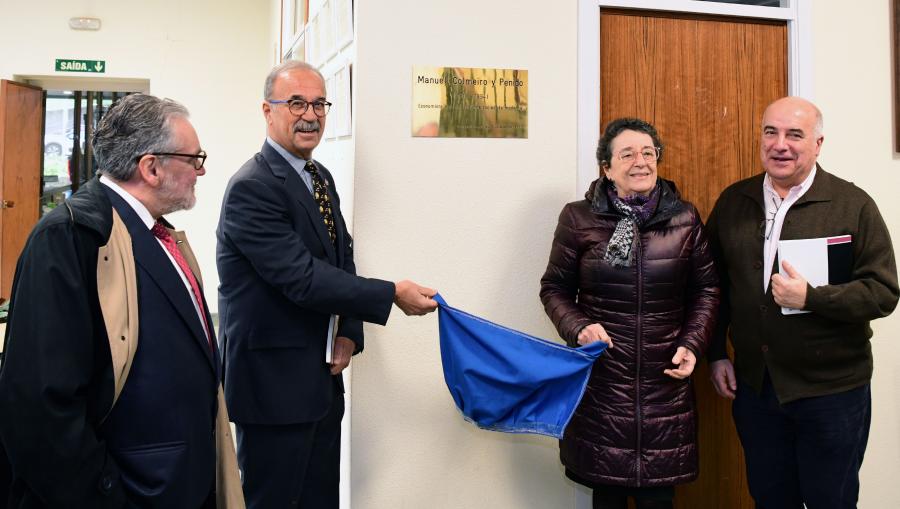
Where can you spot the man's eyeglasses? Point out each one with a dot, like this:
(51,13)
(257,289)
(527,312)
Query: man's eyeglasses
(650,154)
(768,223)
(299,106)
(197,160)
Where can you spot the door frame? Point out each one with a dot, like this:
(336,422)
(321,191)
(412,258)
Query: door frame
(800,59)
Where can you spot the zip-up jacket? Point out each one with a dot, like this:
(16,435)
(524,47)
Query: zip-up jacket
(635,426)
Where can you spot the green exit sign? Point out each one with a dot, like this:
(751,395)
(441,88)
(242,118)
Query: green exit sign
(70,65)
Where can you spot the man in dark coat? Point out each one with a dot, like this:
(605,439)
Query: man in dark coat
(800,381)
(291,306)
(110,383)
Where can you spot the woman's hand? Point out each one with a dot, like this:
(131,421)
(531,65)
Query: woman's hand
(686,360)
(593,333)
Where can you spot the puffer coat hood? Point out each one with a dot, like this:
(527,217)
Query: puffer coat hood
(635,426)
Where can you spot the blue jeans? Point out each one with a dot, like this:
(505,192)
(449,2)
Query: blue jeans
(806,451)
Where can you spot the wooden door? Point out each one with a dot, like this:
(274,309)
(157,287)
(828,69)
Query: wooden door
(21,124)
(704,83)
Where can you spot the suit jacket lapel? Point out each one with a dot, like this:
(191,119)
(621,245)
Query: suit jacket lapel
(298,190)
(185,248)
(151,257)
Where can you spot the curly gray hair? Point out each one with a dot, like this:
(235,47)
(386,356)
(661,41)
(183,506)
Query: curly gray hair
(135,125)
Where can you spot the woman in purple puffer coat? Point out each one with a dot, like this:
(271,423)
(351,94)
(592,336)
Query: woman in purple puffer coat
(630,266)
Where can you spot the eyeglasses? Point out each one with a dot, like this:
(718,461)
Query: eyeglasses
(650,154)
(767,226)
(197,160)
(299,106)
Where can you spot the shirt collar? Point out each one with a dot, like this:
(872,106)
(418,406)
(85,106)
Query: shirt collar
(135,204)
(296,162)
(796,191)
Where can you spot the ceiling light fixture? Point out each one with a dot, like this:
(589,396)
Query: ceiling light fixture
(79,23)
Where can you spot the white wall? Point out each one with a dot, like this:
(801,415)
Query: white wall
(473,218)
(853,89)
(212,56)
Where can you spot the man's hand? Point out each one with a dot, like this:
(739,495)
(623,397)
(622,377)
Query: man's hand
(593,333)
(721,374)
(414,299)
(340,356)
(790,291)
(685,360)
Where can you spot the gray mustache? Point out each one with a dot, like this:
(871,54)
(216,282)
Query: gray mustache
(303,125)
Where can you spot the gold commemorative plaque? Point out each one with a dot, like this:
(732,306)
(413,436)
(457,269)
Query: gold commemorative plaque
(460,102)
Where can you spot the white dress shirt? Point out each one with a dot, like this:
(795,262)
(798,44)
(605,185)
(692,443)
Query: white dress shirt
(776,209)
(148,220)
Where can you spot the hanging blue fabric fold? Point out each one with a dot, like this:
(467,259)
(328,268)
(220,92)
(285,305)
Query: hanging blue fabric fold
(505,380)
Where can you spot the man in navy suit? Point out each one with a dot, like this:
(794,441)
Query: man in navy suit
(109,389)
(288,286)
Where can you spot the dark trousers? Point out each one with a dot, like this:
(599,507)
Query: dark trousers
(806,451)
(5,477)
(616,497)
(292,465)
(209,503)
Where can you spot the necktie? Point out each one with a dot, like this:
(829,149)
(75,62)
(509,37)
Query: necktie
(321,195)
(161,233)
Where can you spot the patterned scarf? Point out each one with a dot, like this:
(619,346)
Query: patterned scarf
(636,210)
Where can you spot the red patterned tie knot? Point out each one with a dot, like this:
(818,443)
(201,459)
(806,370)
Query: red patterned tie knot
(160,232)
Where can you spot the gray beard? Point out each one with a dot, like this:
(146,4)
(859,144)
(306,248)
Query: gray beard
(172,199)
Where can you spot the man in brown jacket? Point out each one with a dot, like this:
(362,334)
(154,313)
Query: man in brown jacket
(803,361)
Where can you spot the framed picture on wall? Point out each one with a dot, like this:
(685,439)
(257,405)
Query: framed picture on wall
(343,22)
(341,92)
(301,15)
(298,50)
(326,31)
(312,41)
(287,25)
(329,126)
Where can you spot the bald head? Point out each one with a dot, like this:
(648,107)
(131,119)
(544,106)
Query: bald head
(800,108)
(790,142)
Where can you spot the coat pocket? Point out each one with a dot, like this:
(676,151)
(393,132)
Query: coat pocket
(147,470)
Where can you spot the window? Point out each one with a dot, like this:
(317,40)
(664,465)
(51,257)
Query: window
(70,118)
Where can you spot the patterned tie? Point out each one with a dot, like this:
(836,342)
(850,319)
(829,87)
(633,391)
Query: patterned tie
(160,232)
(321,195)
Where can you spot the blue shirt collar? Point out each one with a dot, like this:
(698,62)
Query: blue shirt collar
(296,162)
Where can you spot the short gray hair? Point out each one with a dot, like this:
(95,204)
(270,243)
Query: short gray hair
(284,67)
(135,125)
(820,122)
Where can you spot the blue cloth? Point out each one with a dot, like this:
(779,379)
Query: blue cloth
(505,380)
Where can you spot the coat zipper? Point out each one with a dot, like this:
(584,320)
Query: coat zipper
(638,259)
